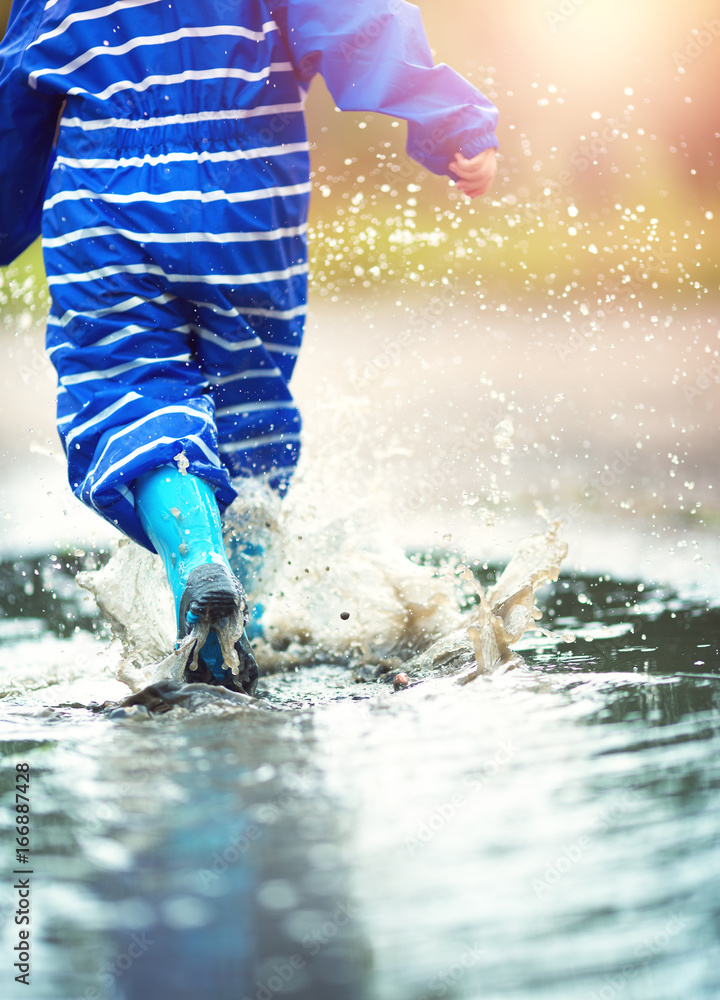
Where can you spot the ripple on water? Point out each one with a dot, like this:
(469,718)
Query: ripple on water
(548,832)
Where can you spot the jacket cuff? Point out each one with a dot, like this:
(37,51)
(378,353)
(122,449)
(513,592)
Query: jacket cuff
(479,144)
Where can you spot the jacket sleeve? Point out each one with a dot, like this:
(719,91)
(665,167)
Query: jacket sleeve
(374,56)
(27,127)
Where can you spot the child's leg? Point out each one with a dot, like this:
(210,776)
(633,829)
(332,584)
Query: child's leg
(176,350)
(132,399)
(247,343)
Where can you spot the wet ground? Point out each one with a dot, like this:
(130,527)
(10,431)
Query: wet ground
(550,833)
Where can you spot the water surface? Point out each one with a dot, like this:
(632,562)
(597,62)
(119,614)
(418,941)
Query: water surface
(547,833)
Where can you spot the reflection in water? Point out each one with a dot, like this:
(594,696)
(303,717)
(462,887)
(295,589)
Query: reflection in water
(200,856)
(549,833)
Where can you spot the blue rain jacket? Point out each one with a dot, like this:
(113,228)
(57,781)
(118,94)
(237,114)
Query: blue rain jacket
(373,55)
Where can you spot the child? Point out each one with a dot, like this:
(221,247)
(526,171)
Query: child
(161,147)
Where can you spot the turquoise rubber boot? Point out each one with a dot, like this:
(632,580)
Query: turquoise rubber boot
(246,562)
(251,527)
(180,514)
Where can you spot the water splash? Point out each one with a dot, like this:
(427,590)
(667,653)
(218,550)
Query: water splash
(508,610)
(335,589)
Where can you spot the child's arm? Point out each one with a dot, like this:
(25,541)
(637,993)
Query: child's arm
(374,56)
(28,120)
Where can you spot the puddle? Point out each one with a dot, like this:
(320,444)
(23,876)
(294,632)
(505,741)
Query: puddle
(549,831)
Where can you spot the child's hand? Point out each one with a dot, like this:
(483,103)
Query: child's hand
(476,175)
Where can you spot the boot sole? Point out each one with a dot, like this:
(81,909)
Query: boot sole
(212,595)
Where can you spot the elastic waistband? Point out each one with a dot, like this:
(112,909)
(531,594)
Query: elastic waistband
(212,134)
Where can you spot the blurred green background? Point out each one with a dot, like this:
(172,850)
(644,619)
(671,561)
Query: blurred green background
(609,136)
